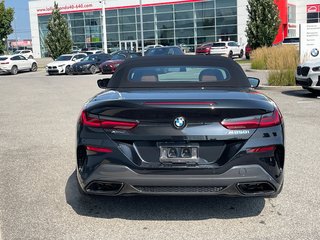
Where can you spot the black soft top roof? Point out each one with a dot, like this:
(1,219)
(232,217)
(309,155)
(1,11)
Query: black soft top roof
(238,78)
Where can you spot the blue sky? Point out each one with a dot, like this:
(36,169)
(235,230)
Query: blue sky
(22,22)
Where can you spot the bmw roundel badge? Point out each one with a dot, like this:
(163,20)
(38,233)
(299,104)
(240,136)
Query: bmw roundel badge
(315,52)
(179,122)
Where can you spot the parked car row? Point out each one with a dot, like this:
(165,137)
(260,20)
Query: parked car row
(81,63)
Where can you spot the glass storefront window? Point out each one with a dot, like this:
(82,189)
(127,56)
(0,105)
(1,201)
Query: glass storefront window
(184,24)
(205,5)
(165,17)
(184,15)
(222,12)
(183,7)
(164,8)
(127,19)
(206,22)
(112,20)
(205,13)
(165,24)
(127,11)
(165,33)
(184,32)
(226,4)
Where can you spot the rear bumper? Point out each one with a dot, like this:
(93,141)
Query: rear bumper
(127,182)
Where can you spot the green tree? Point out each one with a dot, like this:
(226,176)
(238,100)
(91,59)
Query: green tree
(58,40)
(263,23)
(6,17)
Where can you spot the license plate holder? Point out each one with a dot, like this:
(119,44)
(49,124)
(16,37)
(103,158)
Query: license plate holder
(179,153)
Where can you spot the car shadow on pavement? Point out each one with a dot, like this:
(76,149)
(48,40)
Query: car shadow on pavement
(301,93)
(160,208)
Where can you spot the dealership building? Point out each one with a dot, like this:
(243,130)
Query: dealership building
(166,22)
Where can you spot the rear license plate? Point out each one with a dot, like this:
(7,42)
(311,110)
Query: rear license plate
(173,153)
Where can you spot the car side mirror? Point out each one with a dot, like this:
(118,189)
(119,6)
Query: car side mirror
(103,83)
(254,82)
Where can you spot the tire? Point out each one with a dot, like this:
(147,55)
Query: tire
(34,67)
(230,55)
(68,70)
(247,56)
(14,70)
(93,69)
(241,54)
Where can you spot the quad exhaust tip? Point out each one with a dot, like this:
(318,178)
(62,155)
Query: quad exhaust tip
(256,188)
(104,187)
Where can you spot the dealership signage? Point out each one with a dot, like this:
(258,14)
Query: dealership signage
(309,42)
(66,7)
(313,8)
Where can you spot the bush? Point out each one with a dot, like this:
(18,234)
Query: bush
(282,78)
(282,60)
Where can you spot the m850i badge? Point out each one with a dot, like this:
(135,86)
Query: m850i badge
(237,132)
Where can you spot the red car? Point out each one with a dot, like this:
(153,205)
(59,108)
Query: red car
(110,66)
(248,51)
(204,49)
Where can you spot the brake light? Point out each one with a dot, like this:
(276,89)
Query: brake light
(262,149)
(270,119)
(266,120)
(98,149)
(5,63)
(241,123)
(95,122)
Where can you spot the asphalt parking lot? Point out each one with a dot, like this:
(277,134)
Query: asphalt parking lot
(39,198)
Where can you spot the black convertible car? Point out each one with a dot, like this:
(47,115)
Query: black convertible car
(180,125)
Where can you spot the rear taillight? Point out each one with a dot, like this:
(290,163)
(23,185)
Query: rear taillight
(241,123)
(5,63)
(261,149)
(99,149)
(96,122)
(266,120)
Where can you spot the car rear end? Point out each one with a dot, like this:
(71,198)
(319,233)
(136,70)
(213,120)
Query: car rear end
(204,49)
(208,145)
(248,51)
(5,64)
(219,49)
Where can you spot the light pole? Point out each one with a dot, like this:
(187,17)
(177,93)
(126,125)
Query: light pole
(104,26)
(141,28)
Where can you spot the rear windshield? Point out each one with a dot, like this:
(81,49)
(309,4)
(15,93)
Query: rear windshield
(3,58)
(218,44)
(64,58)
(179,74)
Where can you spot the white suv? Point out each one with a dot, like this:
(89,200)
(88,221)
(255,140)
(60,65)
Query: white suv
(227,49)
(62,65)
(17,63)
(26,53)
(308,76)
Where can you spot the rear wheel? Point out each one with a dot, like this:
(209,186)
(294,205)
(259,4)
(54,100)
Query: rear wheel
(34,67)
(241,54)
(230,54)
(68,70)
(14,70)
(93,69)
